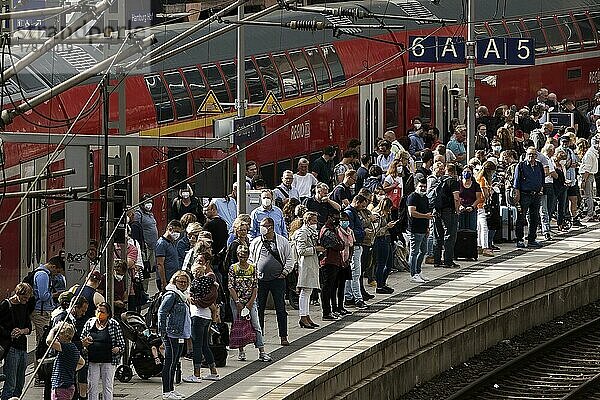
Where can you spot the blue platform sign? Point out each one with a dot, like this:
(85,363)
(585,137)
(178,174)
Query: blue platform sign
(491,51)
(520,51)
(422,49)
(451,50)
(247,129)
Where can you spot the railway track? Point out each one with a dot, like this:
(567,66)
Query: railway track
(564,368)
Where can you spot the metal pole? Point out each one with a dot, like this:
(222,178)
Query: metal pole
(241,111)
(471,80)
(108,192)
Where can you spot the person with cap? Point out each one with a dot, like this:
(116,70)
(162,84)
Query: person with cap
(185,203)
(15,325)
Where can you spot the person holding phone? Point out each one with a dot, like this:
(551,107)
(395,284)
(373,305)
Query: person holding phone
(383,250)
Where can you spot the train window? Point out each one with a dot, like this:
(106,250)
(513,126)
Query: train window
(29,82)
(269,74)
(574,73)
(568,28)
(313,157)
(587,34)
(230,72)
(290,83)
(255,87)
(318,65)
(298,60)
(425,100)
(160,97)
(497,29)
(555,39)
(391,107)
(215,81)
(514,29)
(181,97)
(196,85)
(335,66)
(535,31)
(376,116)
(267,172)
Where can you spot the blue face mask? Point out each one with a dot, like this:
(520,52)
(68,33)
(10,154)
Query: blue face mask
(467,174)
(344,224)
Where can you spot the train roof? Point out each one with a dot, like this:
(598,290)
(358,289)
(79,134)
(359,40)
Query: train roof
(66,61)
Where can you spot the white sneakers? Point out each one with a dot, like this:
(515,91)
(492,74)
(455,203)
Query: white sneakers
(192,379)
(417,278)
(174,395)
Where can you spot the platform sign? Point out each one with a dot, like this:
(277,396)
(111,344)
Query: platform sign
(450,50)
(247,129)
(491,51)
(422,49)
(520,51)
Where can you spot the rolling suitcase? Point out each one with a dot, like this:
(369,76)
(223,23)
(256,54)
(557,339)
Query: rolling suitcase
(509,222)
(466,245)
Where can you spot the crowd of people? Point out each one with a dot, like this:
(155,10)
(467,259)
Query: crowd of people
(323,236)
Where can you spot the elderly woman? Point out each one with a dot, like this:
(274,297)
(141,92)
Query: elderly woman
(306,252)
(174,326)
(103,342)
(470,198)
(243,289)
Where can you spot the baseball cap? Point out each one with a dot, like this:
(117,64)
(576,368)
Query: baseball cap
(65,297)
(96,276)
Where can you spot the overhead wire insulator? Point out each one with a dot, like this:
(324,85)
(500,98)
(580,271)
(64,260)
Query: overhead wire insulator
(353,13)
(307,25)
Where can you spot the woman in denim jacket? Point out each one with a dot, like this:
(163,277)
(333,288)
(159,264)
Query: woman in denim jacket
(174,326)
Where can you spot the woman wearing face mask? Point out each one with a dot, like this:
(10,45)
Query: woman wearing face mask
(484,178)
(470,198)
(382,246)
(103,344)
(305,251)
(143,215)
(331,263)
(192,231)
(185,203)
(347,236)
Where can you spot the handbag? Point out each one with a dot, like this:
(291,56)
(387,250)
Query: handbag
(395,195)
(242,333)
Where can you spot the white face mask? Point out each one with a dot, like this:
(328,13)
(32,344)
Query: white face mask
(264,230)
(175,235)
(148,206)
(266,202)
(497,149)
(380,197)
(185,195)
(313,227)
(417,126)
(119,278)
(563,162)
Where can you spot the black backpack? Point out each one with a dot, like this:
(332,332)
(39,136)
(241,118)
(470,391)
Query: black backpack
(151,317)
(29,278)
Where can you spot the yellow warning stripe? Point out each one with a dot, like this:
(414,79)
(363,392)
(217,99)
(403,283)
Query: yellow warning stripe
(202,122)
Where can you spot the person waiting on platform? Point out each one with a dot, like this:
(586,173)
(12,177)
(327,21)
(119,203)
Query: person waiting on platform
(267,210)
(66,363)
(331,264)
(272,255)
(470,197)
(419,216)
(528,184)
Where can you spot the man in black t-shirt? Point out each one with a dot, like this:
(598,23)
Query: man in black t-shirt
(418,224)
(322,204)
(445,221)
(322,167)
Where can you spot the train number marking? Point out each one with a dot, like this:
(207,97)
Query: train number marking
(300,131)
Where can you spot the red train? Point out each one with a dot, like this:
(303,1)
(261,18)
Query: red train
(333,89)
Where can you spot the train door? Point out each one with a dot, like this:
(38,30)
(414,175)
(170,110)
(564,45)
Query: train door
(371,121)
(450,104)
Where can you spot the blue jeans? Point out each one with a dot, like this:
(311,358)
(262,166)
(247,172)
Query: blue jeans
(173,351)
(530,203)
(352,288)
(445,225)
(15,364)
(418,247)
(548,201)
(200,334)
(467,220)
(384,259)
(277,288)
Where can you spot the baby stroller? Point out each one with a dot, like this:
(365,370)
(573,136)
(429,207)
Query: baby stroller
(140,354)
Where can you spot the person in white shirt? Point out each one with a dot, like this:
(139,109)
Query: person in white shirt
(385,157)
(304,182)
(548,200)
(587,169)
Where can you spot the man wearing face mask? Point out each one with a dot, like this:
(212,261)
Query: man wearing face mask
(145,217)
(322,204)
(167,258)
(417,143)
(267,209)
(272,255)
(418,227)
(496,148)
(185,203)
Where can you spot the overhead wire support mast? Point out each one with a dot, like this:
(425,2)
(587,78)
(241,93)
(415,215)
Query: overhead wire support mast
(93,12)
